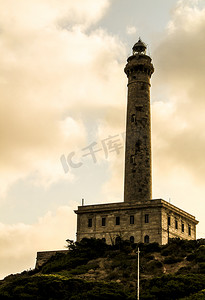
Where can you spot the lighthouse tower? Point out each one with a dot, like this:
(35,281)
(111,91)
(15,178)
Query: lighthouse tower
(138,173)
(139,218)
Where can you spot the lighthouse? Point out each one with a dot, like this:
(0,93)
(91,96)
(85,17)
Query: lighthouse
(139,218)
(138,164)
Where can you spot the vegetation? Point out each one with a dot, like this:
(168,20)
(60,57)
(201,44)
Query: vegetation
(94,270)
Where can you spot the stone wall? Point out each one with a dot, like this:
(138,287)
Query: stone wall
(44,256)
(178,227)
(138,181)
(149,220)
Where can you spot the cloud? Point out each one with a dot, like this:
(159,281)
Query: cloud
(53,76)
(178,107)
(40,14)
(131,30)
(58,81)
(20,242)
(180,62)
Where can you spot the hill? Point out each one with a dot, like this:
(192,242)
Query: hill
(95,270)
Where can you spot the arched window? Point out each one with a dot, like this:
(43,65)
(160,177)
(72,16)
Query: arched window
(146,239)
(133,118)
(132,239)
(117,240)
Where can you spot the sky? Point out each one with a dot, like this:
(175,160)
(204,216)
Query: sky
(63,92)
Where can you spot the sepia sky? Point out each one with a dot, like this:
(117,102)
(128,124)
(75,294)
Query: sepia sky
(63,92)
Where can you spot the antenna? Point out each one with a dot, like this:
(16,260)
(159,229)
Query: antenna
(82,201)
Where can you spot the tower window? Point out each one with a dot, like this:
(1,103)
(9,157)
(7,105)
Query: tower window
(103,221)
(189,229)
(137,145)
(132,219)
(132,159)
(133,118)
(138,107)
(176,224)
(146,239)
(169,221)
(90,222)
(142,86)
(182,227)
(132,239)
(117,221)
(146,218)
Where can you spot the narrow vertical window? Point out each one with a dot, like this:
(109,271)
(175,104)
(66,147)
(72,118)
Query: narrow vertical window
(133,118)
(176,224)
(103,221)
(132,159)
(137,146)
(169,221)
(90,222)
(117,221)
(189,229)
(146,218)
(132,219)
(182,227)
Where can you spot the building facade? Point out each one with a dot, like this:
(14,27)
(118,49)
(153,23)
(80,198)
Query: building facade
(139,218)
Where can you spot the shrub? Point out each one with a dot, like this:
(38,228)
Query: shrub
(54,287)
(80,253)
(165,252)
(149,257)
(184,270)
(172,286)
(191,257)
(200,254)
(154,267)
(202,267)
(172,259)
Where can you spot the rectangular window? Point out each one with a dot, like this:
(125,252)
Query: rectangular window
(169,221)
(132,219)
(182,227)
(139,107)
(146,219)
(103,221)
(132,159)
(189,230)
(90,222)
(117,221)
(176,224)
